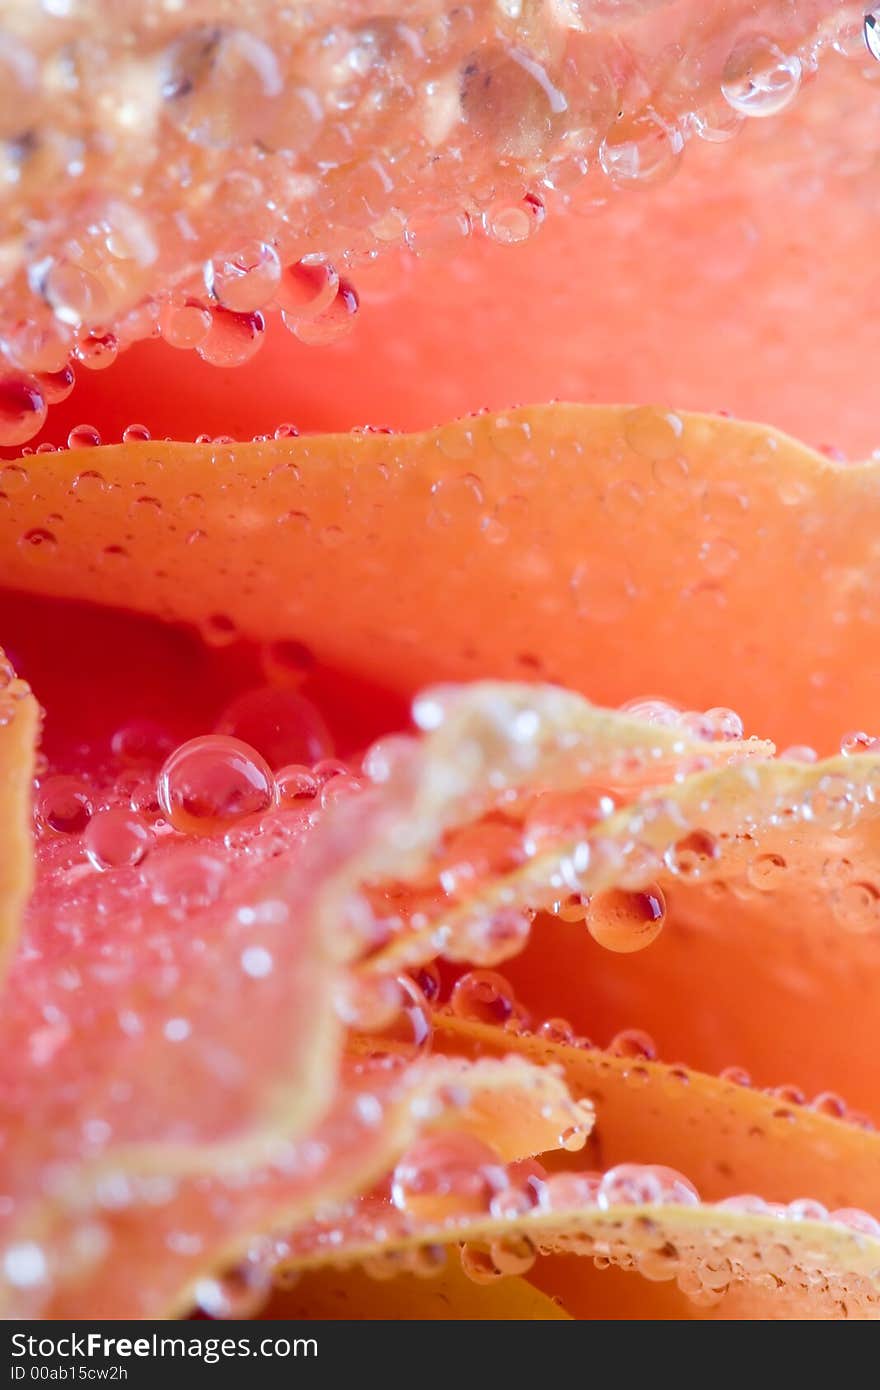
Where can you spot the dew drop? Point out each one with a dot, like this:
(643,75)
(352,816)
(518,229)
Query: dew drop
(64,805)
(306,289)
(212,781)
(56,386)
(334,323)
(641,151)
(443,1175)
(83,437)
(485,996)
(38,538)
(185,325)
(232,338)
(115,838)
(296,785)
(625,921)
(22,409)
(280,723)
(759,79)
(135,434)
(245,280)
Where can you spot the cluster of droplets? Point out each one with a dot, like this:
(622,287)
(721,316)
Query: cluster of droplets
(250,160)
(172,821)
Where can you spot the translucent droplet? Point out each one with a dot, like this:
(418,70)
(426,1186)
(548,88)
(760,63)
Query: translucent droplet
(115,838)
(280,723)
(83,437)
(641,151)
(334,323)
(451,1174)
(64,805)
(56,386)
(296,785)
(759,79)
(185,325)
(232,338)
(509,223)
(220,85)
(141,743)
(626,921)
(485,996)
(212,781)
(22,409)
(245,280)
(306,289)
(767,872)
(135,434)
(97,351)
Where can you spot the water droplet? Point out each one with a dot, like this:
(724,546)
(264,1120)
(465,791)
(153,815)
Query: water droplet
(653,434)
(232,338)
(626,921)
(221,86)
(443,1175)
(83,437)
(641,151)
(97,351)
(334,323)
(693,854)
(245,280)
(185,325)
(759,79)
(280,723)
(767,872)
(306,289)
(38,538)
(212,781)
(633,1042)
(22,409)
(135,434)
(296,785)
(872,33)
(509,223)
(64,805)
(114,838)
(484,996)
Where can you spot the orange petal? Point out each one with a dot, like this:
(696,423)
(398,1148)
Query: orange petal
(19,730)
(448,1296)
(547,537)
